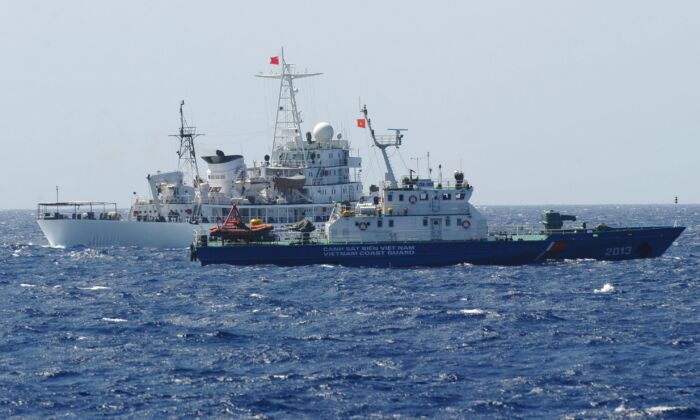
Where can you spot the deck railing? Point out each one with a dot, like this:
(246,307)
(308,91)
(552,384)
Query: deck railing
(78,210)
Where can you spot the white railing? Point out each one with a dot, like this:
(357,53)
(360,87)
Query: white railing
(176,200)
(78,210)
(322,163)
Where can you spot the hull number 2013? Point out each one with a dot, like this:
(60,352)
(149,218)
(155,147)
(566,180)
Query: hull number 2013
(618,251)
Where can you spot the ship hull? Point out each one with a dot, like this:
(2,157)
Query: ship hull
(381,254)
(102,233)
(644,243)
(617,244)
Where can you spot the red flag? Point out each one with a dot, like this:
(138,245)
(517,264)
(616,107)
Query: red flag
(361,123)
(275,60)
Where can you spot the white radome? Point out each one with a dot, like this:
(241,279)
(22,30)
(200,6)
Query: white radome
(323,131)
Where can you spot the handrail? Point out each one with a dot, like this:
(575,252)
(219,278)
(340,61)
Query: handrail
(540,230)
(296,163)
(78,210)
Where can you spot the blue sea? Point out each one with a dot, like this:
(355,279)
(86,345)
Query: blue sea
(131,332)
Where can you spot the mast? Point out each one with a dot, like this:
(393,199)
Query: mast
(288,120)
(382,142)
(187,158)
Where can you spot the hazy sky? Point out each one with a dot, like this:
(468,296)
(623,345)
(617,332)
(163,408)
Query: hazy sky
(538,101)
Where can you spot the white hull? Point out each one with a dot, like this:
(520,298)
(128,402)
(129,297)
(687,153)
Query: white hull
(101,233)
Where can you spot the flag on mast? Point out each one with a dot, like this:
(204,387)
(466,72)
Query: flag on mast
(361,123)
(275,60)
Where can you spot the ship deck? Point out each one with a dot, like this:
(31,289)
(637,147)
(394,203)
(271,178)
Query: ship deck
(493,237)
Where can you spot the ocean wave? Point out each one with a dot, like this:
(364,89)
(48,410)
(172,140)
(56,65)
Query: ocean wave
(607,288)
(94,288)
(117,320)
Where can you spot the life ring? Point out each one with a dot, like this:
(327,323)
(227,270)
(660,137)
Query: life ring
(466,224)
(412,199)
(362,225)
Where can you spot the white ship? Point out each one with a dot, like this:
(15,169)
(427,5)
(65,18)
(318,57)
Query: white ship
(302,178)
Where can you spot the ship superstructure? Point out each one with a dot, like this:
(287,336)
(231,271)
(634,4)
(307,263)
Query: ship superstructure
(302,178)
(413,210)
(307,171)
(175,195)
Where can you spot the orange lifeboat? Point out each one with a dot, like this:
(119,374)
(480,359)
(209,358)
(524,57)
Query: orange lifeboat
(235,230)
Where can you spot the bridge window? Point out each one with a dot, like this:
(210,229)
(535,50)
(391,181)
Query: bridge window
(446,196)
(389,197)
(400,197)
(379,223)
(423,196)
(391,223)
(447,221)
(460,196)
(425,221)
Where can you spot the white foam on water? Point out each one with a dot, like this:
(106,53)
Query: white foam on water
(257,296)
(27,285)
(95,288)
(474,312)
(607,288)
(114,319)
(655,411)
(662,409)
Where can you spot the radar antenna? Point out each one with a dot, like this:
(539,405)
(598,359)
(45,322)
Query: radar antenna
(288,120)
(187,158)
(382,142)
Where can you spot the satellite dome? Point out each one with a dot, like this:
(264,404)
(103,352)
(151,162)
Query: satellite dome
(323,131)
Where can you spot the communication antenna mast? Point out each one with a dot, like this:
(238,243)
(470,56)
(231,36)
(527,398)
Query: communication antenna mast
(187,158)
(288,120)
(382,142)
(418,160)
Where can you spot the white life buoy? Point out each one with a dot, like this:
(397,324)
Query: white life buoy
(412,199)
(466,224)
